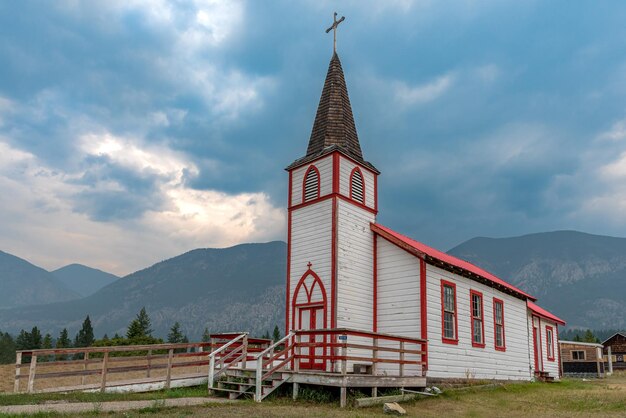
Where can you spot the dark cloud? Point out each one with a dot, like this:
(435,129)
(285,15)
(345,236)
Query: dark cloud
(473,113)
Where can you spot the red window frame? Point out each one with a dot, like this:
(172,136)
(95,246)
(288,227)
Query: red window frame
(502,347)
(354,170)
(481,318)
(550,343)
(319,183)
(444,339)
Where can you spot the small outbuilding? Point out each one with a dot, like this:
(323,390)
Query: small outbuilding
(579,359)
(617,346)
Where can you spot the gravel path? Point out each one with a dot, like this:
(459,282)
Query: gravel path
(76,407)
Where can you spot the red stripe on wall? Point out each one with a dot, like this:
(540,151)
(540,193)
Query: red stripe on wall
(423,310)
(333,319)
(375,285)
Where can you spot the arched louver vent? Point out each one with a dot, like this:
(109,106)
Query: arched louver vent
(311,184)
(356,187)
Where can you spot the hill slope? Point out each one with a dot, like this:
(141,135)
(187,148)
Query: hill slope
(22,283)
(82,279)
(231,289)
(580,277)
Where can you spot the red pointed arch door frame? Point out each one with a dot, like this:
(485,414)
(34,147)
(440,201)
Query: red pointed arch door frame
(310,311)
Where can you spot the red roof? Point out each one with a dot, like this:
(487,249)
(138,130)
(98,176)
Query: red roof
(543,313)
(446,258)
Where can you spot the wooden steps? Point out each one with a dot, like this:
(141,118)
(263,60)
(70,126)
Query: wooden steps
(543,376)
(237,382)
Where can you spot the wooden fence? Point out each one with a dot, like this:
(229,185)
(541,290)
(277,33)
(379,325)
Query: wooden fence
(96,368)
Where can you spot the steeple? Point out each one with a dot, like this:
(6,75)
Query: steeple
(334,123)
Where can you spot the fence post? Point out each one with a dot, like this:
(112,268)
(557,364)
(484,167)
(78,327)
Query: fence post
(344,362)
(31,373)
(211,372)
(401,358)
(18,368)
(85,366)
(245,351)
(168,377)
(103,376)
(149,363)
(296,351)
(258,381)
(610,360)
(200,350)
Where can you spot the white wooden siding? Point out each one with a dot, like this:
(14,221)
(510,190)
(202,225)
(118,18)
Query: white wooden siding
(354,267)
(325,167)
(463,360)
(398,297)
(354,272)
(550,366)
(311,241)
(345,169)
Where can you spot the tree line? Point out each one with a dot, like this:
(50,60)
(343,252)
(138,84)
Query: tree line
(138,332)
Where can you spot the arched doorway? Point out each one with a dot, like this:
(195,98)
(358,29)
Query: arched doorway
(309,311)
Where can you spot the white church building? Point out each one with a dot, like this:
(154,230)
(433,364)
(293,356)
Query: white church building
(347,271)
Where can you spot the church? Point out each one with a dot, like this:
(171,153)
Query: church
(350,277)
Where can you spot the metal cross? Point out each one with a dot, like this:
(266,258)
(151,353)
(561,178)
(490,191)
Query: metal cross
(334,29)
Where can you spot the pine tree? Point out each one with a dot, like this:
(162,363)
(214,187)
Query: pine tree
(64,340)
(23,341)
(206,336)
(589,337)
(577,338)
(47,341)
(35,338)
(175,335)
(140,326)
(85,337)
(276,334)
(7,348)
(266,336)
(105,337)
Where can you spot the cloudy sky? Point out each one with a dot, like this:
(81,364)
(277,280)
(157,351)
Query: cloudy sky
(132,131)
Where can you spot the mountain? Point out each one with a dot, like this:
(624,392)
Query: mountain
(579,277)
(23,283)
(232,289)
(82,279)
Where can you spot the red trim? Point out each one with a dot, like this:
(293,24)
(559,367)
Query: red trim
(482,318)
(495,326)
(334,152)
(419,249)
(309,293)
(354,170)
(319,183)
(558,350)
(336,172)
(454,340)
(330,196)
(550,346)
(423,315)
(333,318)
(540,342)
(542,313)
(375,284)
(376,192)
(288,255)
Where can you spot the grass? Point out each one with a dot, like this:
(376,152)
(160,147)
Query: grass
(41,398)
(569,398)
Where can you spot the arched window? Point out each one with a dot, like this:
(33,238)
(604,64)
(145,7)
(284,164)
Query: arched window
(311,189)
(357,191)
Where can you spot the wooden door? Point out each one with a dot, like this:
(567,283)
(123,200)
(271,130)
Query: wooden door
(312,318)
(536,348)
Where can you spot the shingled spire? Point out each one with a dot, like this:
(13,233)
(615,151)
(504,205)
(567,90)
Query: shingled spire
(334,123)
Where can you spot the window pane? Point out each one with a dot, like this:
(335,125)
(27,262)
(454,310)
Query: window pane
(478,335)
(499,342)
(448,325)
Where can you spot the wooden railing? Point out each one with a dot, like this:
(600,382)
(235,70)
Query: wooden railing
(335,346)
(105,361)
(232,352)
(91,368)
(334,349)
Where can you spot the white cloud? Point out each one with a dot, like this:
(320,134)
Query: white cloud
(408,95)
(46,229)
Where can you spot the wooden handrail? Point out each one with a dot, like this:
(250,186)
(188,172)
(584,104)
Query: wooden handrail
(360,333)
(112,348)
(260,364)
(243,347)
